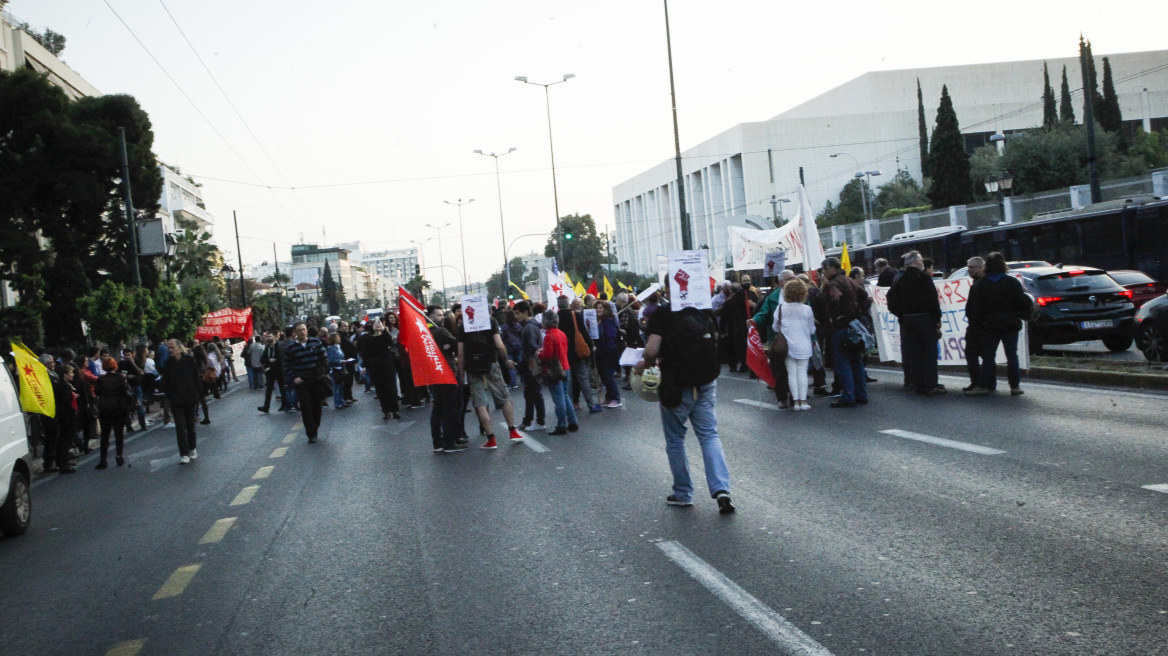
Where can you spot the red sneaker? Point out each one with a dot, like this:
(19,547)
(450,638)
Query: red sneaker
(515,436)
(490,443)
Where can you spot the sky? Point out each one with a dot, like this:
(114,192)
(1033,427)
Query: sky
(360,117)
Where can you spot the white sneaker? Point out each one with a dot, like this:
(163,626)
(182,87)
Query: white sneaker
(184,460)
(194,454)
(806,406)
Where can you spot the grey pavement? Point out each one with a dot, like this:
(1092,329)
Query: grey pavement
(848,539)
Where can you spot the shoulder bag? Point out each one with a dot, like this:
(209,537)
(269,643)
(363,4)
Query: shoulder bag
(779,347)
(581,345)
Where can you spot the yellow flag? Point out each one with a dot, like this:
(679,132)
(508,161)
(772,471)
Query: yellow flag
(845,261)
(622,286)
(608,290)
(567,279)
(521,292)
(36,392)
(579,289)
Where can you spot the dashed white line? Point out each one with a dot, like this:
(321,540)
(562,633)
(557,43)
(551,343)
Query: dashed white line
(399,427)
(531,442)
(758,404)
(787,636)
(940,441)
(1161,487)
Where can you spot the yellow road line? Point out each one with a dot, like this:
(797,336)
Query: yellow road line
(218,530)
(127,648)
(263,472)
(289,438)
(279,452)
(245,495)
(177,582)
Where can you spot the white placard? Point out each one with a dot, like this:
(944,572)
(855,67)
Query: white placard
(631,357)
(648,292)
(775,263)
(591,324)
(689,279)
(476,313)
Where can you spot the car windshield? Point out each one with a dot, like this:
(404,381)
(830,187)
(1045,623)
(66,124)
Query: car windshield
(1072,281)
(1131,278)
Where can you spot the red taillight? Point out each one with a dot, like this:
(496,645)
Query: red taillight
(1127,293)
(1047,300)
(1077,272)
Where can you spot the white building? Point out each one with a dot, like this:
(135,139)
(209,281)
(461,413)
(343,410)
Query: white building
(731,178)
(393,267)
(182,199)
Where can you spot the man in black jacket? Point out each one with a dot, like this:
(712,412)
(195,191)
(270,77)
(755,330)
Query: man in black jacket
(973,332)
(997,304)
(913,300)
(885,274)
(304,362)
(844,298)
(183,388)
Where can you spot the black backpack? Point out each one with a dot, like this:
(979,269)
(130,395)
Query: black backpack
(693,348)
(478,349)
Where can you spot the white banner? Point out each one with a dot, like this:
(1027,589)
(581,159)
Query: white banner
(476,313)
(953,295)
(689,280)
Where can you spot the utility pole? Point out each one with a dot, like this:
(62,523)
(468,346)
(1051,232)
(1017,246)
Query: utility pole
(280,296)
(130,209)
(239,254)
(686,237)
(1089,122)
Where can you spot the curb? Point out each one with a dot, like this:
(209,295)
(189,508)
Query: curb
(1078,376)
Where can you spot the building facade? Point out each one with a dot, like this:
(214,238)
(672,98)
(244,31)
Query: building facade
(870,123)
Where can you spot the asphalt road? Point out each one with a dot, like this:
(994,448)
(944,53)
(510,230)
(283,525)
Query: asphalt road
(1029,532)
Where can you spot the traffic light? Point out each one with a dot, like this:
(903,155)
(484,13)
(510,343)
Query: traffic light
(567,235)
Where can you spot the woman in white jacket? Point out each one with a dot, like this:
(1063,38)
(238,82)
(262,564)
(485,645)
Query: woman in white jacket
(795,320)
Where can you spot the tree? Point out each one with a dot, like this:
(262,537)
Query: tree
(278,277)
(902,192)
(171,314)
(195,256)
(947,158)
(49,40)
(1066,109)
(332,295)
(1107,112)
(497,284)
(923,133)
(1148,151)
(267,311)
(437,298)
(115,313)
(1042,160)
(416,286)
(850,208)
(583,246)
(1049,111)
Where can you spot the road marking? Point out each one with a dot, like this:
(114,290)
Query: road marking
(263,472)
(127,648)
(177,583)
(162,463)
(218,530)
(298,425)
(279,452)
(940,441)
(398,427)
(133,457)
(1162,487)
(787,636)
(530,441)
(758,404)
(289,438)
(245,495)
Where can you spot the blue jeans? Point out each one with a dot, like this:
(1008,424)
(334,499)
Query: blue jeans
(255,378)
(849,370)
(562,399)
(338,388)
(699,410)
(989,371)
(606,365)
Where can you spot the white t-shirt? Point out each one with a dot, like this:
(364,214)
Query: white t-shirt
(798,324)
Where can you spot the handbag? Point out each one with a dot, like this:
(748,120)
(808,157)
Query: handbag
(779,347)
(581,345)
(209,375)
(553,372)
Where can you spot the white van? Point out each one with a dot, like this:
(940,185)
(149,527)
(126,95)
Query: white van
(15,463)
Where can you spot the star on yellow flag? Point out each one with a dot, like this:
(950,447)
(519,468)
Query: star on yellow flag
(36,391)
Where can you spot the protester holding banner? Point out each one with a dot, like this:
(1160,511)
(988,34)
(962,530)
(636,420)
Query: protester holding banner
(997,305)
(480,351)
(446,424)
(913,300)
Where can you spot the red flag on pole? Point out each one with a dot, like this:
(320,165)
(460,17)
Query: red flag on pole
(427,363)
(756,356)
(403,294)
(592,288)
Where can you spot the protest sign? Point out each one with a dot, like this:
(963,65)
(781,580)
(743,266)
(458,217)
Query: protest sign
(476,313)
(687,267)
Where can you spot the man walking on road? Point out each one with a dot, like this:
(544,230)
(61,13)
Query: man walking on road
(844,299)
(479,355)
(303,361)
(685,344)
(913,299)
(183,388)
(534,408)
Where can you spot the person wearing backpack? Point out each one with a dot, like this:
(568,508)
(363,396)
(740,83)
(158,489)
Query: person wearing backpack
(479,355)
(685,346)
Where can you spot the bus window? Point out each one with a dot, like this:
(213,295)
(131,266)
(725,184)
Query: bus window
(1101,237)
(1070,247)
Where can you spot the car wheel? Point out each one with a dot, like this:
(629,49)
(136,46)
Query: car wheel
(16,513)
(1117,343)
(1152,342)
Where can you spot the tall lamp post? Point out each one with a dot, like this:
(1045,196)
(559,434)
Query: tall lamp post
(422,260)
(502,230)
(441,259)
(777,209)
(551,146)
(998,183)
(461,236)
(868,189)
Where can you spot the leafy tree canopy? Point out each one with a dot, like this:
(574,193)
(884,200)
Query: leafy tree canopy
(584,251)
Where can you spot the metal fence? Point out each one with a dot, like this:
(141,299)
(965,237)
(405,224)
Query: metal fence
(1025,207)
(1117,189)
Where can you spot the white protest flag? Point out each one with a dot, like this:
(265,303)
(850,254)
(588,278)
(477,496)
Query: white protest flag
(557,288)
(813,254)
(749,248)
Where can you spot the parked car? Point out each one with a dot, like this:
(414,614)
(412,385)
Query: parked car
(15,462)
(1078,304)
(1144,288)
(963,272)
(1152,329)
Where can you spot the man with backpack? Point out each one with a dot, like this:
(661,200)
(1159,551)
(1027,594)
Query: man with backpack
(479,355)
(684,345)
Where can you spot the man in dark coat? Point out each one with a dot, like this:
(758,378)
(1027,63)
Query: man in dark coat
(997,304)
(973,338)
(913,300)
(183,388)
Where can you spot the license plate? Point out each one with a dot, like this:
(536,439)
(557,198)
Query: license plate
(1089,325)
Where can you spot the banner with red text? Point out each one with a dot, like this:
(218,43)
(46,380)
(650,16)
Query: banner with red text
(427,363)
(225,324)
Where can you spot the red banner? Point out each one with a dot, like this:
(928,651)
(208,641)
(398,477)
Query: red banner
(225,324)
(426,362)
(756,356)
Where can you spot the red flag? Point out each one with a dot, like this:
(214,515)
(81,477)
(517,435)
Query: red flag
(756,357)
(403,294)
(592,288)
(225,324)
(427,363)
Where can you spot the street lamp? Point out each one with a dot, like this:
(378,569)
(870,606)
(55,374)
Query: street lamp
(551,146)
(857,174)
(461,237)
(422,257)
(868,189)
(502,230)
(777,209)
(441,259)
(998,183)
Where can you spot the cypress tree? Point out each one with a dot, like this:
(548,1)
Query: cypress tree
(1109,114)
(1049,112)
(948,159)
(1093,80)
(923,130)
(329,290)
(1066,109)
